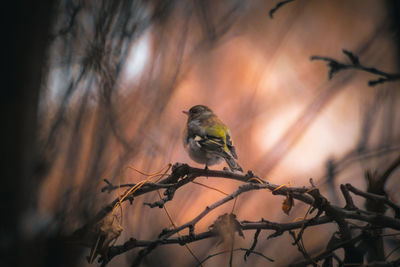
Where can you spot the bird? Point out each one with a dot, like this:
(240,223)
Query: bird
(207,139)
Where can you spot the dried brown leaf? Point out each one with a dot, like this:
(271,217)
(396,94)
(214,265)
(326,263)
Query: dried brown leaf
(107,231)
(225,226)
(288,203)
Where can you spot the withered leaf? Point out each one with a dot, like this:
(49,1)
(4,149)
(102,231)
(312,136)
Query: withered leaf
(107,230)
(288,203)
(225,227)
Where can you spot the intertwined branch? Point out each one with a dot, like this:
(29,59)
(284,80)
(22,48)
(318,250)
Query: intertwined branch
(183,174)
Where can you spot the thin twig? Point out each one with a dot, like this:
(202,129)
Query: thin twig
(111,187)
(237,249)
(279,5)
(183,174)
(301,248)
(336,66)
(328,252)
(392,167)
(242,189)
(253,246)
(375,197)
(279,229)
(349,201)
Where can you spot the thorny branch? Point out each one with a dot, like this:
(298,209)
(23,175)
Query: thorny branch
(183,174)
(336,66)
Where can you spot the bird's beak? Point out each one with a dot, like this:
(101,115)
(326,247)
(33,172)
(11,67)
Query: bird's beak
(185,112)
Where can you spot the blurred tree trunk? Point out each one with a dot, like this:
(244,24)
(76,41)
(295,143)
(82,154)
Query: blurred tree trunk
(375,249)
(26,28)
(394,13)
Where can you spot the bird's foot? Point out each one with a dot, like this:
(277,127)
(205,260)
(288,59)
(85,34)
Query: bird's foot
(206,169)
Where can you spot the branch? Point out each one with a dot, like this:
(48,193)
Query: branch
(111,187)
(375,197)
(237,249)
(328,252)
(279,5)
(349,201)
(242,189)
(392,167)
(279,229)
(253,246)
(183,174)
(166,233)
(300,247)
(336,66)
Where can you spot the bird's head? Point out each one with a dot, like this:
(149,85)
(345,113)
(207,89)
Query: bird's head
(198,111)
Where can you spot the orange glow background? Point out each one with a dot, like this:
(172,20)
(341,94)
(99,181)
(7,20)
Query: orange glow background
(286,119)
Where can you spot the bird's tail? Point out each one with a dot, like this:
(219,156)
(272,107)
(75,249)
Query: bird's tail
(233,164)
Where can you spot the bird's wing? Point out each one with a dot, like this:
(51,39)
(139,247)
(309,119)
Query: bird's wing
(207,137)
(210,142)
(213,136)
(219,139)
(230,145)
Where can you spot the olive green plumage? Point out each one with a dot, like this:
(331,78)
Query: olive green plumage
(207,139)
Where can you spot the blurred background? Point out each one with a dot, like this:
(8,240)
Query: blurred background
(99,86)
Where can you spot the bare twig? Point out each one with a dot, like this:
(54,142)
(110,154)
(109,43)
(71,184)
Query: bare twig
(242,189)
(392,167)
(110,187)
(375,197)
(279,5)
(182,174)
(253,246)
(354,156)
(336,66)
(237,249)
(328,252)
(350,255)
(349,201)
(279,229)
(301,248)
